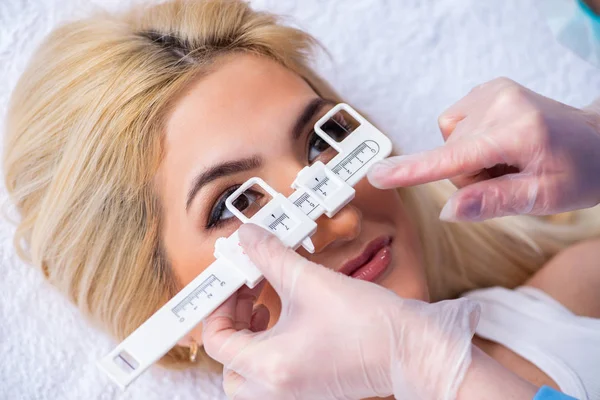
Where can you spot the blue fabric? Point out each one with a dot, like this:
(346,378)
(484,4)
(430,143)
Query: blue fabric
(547,393)
(575,26)
(588,11)
(593,19)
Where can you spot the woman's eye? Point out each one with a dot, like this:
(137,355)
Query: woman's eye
(316,146)
(221,213)
(244,201)
(337,129)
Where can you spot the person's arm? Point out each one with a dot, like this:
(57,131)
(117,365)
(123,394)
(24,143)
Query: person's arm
(594,109)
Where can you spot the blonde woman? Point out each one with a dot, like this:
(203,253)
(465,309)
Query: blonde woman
(127,132)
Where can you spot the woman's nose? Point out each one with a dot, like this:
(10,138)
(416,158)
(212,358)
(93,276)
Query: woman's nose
(343,227)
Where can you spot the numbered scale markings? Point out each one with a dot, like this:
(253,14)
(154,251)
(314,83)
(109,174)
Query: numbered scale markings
(202,291)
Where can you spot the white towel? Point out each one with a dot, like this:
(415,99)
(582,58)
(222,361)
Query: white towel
(401,61)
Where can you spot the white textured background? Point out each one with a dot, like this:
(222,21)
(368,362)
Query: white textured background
(401,61)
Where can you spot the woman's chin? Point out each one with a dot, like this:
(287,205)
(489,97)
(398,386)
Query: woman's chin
(408,287)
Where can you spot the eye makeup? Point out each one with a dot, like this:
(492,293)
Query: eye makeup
(315,149)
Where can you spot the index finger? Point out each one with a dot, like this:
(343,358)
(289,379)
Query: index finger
(464,156)
(467,105)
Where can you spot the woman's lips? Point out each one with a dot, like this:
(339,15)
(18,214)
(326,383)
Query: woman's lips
(372,262)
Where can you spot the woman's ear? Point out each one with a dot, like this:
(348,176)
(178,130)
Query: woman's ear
(195,335)
(185,341)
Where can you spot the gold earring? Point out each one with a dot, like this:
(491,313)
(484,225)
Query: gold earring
(193,351)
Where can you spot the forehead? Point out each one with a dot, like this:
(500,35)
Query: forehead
(246,105)
(244,96)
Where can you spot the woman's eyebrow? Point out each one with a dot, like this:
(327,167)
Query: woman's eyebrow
(313,107)
(234,167)
(219,171)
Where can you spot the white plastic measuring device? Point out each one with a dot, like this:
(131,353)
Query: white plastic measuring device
(320,189)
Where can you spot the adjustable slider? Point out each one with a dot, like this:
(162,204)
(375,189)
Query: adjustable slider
(279,216)
(322,184)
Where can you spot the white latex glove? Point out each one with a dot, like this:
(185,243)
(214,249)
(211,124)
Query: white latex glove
(337,337)
(510,151)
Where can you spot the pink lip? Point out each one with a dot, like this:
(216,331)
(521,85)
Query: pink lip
(372,262)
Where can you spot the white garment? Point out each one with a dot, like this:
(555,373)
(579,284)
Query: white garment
(565,346)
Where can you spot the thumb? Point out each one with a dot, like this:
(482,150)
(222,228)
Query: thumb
(279,264)
(512,194)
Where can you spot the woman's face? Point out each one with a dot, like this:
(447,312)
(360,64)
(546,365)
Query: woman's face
(253,117)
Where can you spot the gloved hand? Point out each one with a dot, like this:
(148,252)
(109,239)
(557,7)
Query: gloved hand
(511,151)
(337,337)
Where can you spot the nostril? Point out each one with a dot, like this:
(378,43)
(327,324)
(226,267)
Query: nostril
(347,223)
(343,227)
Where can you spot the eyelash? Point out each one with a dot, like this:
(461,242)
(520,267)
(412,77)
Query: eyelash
(219,207)
(215,218)
(216,213)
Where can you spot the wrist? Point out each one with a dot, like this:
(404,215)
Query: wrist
(592,111)
(431,348)
(485,378)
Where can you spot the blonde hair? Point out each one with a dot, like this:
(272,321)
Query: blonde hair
(85,140)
